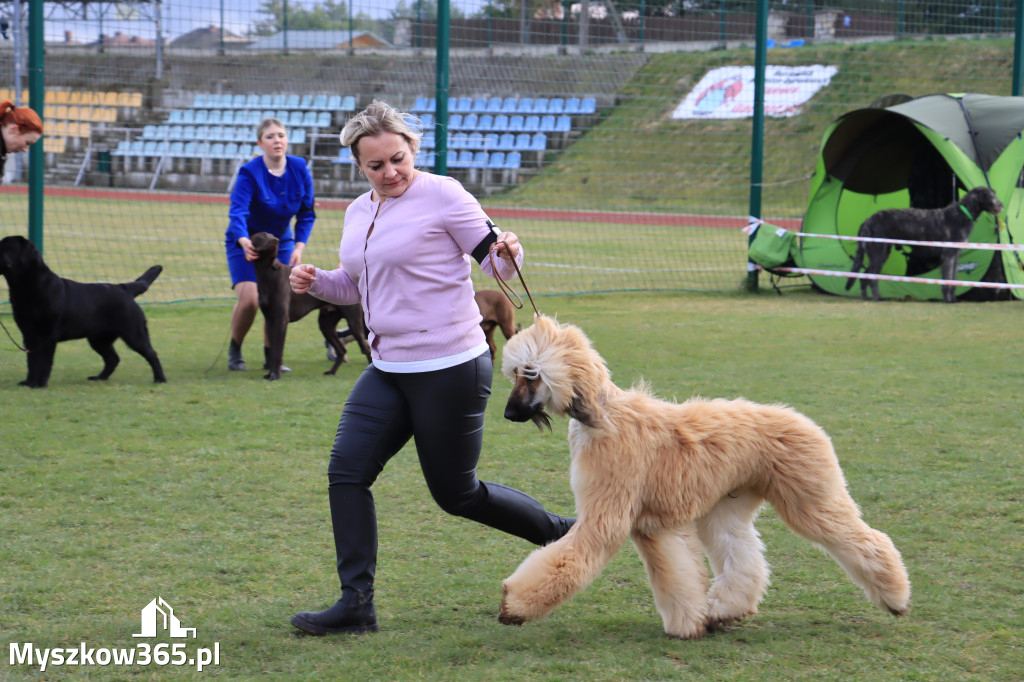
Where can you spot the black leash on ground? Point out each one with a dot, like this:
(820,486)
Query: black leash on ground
(217,359)
(17,345)
(505,288)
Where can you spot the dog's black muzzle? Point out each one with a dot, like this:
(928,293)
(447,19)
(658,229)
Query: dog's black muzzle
(516,411)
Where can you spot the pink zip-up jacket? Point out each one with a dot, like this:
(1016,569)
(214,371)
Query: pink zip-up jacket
(412,273)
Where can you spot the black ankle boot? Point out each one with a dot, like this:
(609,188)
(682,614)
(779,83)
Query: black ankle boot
(353,613)
(235,361)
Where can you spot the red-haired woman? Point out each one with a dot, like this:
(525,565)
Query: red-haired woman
(20,127)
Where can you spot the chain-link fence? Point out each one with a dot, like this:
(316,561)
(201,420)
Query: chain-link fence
(614,137)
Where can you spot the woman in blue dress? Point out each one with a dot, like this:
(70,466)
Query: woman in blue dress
(270,190)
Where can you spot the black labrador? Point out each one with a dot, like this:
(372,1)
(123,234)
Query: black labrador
(49,309)
(950,224)
(280,305)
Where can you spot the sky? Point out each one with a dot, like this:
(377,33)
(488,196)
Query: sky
(182,16)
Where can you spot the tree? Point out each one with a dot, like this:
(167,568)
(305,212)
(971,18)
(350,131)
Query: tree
(327,15)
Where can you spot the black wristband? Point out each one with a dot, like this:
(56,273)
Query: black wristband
(484,247)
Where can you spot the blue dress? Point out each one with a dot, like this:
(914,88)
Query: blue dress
(261,202)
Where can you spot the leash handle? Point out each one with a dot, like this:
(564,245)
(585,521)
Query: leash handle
(511,295)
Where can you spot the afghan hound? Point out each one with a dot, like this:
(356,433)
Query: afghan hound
(679,478)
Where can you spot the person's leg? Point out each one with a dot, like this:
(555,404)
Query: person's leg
(447,409)
(242,317)
(374,426)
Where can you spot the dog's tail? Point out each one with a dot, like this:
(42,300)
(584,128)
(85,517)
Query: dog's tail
(142,283)
(858,263)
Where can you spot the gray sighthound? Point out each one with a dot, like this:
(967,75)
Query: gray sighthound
(950,224)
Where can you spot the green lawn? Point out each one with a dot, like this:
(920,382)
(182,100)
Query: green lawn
(210,492)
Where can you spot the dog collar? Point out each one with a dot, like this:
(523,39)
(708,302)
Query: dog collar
(967,213)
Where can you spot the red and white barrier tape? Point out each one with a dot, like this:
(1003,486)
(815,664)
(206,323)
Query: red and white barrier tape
(897,278)
(955,245)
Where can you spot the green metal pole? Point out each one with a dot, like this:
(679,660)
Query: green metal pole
(36,93)
(1018,48)
(757,134)
(441,93)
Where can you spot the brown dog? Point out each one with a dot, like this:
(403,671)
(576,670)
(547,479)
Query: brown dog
(280,305)
(497,311)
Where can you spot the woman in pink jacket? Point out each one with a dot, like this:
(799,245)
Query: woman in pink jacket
(405,255)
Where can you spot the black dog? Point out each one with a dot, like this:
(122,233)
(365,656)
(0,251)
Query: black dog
(950,224)
(49,309)
(280,305)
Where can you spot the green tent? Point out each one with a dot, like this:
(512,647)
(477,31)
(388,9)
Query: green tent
(875,158)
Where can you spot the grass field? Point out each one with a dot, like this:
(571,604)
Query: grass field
(210,492)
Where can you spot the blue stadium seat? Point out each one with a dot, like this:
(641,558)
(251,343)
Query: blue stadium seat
(453,159)
(344,156)
(252,101)
(556,105)
(190,150)
(428,140)
(227,117)
(572,105)
(175,132)
(459,141)
(515,123)
(547,124)
(428,121)
(319,103)
(217,150)
(292,101)
(470,122)
(475,141)
(422,104)
(175,116)
(334,103)
(215,116)
(563,123)
(188,133)
(464,105)
(522,142)
(490,141)
(538,142)
(202,116)
(306,103)
(265,102)
(309,119)
(508,106)
(479,160)
(199,102)
(465,159)
(176,148)
(348,103)
(278,101)
(496,160)
(494,105)
(513,160)
(123,148)
(149,132)
(500,123)
(480,105)
(323,120)
(485,123)
(588,105)
(187,116)
(455,122)
(506,142)
(524,105)
(425,160)
(531,123)
(540,106)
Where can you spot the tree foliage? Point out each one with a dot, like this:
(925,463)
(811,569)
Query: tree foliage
(325,15)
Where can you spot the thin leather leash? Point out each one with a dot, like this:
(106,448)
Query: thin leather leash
(16,344)
(502,284)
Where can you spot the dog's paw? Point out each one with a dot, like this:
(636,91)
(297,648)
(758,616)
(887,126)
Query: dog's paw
(506,612)
(694,632)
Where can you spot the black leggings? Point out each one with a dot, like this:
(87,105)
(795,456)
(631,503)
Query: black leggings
(443,411)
